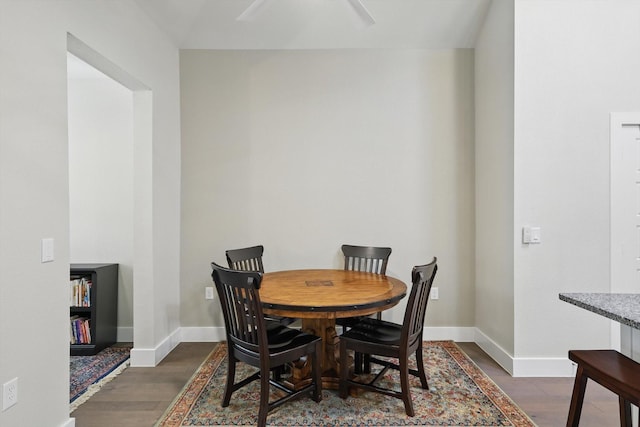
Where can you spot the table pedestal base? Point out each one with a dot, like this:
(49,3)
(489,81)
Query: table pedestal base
(330,363)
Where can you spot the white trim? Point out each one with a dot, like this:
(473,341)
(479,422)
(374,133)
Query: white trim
(525,366)
(150,357)
(494,351)
(542,367)
(71,422)
(459,334)
(515,366)
(203,334)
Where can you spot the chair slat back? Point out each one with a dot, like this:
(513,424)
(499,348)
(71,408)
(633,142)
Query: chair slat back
(241,306)
(246,259)
(422,280)
(366,258)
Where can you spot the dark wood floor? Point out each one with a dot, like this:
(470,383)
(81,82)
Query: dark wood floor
(139,396)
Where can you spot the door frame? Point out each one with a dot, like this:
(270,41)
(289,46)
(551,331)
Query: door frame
(620,174)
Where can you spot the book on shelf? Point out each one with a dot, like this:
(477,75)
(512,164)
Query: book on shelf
(80,292)
(80,331)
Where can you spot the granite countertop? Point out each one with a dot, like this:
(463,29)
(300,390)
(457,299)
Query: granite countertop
(623,308)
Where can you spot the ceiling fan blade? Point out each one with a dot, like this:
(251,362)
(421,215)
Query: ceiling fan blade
(362,12)
(250,13)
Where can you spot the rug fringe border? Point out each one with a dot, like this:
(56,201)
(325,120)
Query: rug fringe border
(95,387)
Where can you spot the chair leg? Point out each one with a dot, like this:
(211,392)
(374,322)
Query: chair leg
(277,373)
(264,398)
(317,373)
(625,412)
(367,364)
(357,363)
(344,369)
(421,373)
(577,398)
(231,375)
(404,384)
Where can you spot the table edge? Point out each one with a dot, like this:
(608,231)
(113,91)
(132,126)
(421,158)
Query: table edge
(388,302)
(336,308)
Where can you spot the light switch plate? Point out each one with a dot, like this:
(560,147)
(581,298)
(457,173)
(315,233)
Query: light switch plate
(531,235)
(536,236)
(47,250)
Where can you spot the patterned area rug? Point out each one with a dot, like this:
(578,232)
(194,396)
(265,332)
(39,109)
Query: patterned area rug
(460,395)
(89,373)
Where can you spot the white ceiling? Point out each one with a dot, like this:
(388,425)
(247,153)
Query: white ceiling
(319,24)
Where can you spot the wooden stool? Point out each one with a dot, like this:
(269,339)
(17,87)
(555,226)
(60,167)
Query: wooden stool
(610,369)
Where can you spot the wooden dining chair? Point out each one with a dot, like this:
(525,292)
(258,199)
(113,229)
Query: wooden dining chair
(250,259)
(246,259)
(250,341)
(370,259)
(376,337)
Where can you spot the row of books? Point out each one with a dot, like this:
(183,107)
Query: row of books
(80,330)
(80,292)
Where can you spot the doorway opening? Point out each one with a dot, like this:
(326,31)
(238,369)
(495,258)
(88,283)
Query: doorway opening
(100,126)
(110,176)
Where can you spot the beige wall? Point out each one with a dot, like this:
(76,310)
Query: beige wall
(34,189)
(494,177)
(542,111)
(568,80)
(302,151)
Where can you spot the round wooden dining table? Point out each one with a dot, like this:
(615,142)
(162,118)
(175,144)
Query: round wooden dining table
(319,297)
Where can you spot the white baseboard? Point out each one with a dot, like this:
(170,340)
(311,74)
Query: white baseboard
(525,366)
(517,367)
(543,367)
(71,422)
(494,351)
(459,334)
(203,334)
(150,357)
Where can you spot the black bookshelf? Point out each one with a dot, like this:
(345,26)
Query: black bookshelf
(103,308)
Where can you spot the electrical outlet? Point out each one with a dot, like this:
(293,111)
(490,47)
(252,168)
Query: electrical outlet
(434,293)
(9,394)
(208,292)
